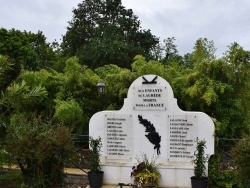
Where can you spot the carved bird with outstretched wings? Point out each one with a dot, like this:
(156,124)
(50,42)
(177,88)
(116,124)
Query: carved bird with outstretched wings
(152,135)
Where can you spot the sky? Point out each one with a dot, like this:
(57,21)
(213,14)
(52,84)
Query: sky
(220,21)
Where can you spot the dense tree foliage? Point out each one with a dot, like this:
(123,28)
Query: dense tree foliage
(210,87)
(104,32)
(216,86)
(25,50)
(37,142)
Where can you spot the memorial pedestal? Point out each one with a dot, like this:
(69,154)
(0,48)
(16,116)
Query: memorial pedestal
(150,122)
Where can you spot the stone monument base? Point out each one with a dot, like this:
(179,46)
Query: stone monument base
(172,175)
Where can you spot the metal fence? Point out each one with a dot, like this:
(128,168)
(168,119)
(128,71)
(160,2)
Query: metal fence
(81,141)
(80,159)
(224,147)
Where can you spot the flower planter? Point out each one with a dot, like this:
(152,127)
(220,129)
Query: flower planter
(202,183)
(95,180)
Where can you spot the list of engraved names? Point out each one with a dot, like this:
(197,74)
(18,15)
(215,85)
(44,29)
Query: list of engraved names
(182,135)
(118,135)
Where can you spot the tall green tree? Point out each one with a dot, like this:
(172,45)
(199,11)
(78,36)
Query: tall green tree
(5,66)
(204,51)
(170,50)
(238,61)
(25,50)
(103,32)
(218,87)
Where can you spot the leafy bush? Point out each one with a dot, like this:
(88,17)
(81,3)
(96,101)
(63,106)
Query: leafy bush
(227,179)
(40,149)
(242,158)
(70,113)
(218,177)
(213,169)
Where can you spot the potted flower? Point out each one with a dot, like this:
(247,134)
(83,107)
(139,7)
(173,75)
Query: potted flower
(200,180)
(145,173)
(95,175)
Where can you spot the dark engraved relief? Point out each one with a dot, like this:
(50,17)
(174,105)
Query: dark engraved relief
(152,135)
(151,82)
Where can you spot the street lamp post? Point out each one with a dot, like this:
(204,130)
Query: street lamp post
(101,87)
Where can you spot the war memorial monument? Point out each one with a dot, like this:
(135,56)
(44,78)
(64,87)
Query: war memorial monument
(150,122)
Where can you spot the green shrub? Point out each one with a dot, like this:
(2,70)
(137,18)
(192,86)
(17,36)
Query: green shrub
(218,177)
(214,169)
(227,179)
(40,149)
(69,113)
(242,158)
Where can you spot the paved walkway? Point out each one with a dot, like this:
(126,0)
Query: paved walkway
(75,171)
(67,170)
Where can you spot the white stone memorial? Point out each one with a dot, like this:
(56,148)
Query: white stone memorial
(150,122)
